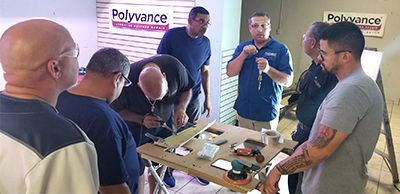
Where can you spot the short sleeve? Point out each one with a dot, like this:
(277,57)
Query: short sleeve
(164,46)
(72,169)
(186,81)
(344,108)
(285,61)
(237,52)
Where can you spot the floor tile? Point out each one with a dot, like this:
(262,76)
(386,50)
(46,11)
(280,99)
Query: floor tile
(225,190)
(194,187)
(386,184)
(373,182)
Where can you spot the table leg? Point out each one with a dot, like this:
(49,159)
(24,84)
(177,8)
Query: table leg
(159,181)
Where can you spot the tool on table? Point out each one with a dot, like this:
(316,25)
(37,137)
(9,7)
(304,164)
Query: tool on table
(259,79)
(246,152)
(239,173)
(260,158)
(233,145)
(220,142)
(175,141)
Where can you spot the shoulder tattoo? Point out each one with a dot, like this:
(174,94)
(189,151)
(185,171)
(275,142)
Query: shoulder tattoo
(324,137)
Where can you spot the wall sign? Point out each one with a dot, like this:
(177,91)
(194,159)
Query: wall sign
(370,24)
(136,17)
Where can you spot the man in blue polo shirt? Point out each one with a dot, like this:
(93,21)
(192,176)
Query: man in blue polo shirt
(264,65)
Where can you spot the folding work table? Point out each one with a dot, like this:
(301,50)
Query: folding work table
(202,168)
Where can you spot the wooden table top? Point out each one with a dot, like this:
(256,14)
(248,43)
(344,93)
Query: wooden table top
(202,168)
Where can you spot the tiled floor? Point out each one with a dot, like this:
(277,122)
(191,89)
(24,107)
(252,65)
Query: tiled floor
(380,181)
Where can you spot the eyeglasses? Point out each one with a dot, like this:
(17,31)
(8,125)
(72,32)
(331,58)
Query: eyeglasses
(323,54)
(305,37)
(72,53)
(127,82)
(202,22)
(256,26)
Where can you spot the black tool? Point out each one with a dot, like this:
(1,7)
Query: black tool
(239,173)
(220,142)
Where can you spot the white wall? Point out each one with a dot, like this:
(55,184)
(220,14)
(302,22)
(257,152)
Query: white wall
(78,16)
(231,25)
(298,15)
(223,34)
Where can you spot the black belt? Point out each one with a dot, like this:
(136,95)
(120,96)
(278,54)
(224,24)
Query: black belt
(304,127)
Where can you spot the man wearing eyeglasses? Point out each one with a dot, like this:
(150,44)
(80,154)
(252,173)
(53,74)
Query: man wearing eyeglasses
(347,126)
(147,104)
(264,66)
(315,85)
(192,48)
(41,151)
(87,104)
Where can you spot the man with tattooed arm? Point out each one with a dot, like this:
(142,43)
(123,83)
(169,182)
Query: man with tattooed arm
(347,125)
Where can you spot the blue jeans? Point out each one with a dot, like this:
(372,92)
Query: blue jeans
(301,136)
(193,109)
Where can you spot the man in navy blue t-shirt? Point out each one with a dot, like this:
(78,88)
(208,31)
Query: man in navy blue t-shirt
(87,104)
(189,45)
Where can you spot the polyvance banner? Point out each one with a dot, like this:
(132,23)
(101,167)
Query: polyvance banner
(137,17)
(370,24)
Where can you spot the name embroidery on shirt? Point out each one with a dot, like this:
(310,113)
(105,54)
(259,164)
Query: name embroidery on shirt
(270,54)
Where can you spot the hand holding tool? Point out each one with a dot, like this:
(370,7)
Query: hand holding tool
(163,124)
(183,128)
(168,128)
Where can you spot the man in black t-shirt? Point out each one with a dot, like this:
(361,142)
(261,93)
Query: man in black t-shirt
(157,82)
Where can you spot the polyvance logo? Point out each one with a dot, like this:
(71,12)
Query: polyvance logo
(370,24)
(140,17)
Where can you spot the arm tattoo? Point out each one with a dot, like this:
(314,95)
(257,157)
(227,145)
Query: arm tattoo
(324,137)
(296,162)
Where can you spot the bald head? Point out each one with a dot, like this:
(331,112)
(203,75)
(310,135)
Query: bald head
(30,57)
(29,44)
(153,83)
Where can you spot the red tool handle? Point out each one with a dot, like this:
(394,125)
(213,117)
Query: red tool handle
(243,151)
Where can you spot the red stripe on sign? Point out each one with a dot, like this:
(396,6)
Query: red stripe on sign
(141,26)
(368,27)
